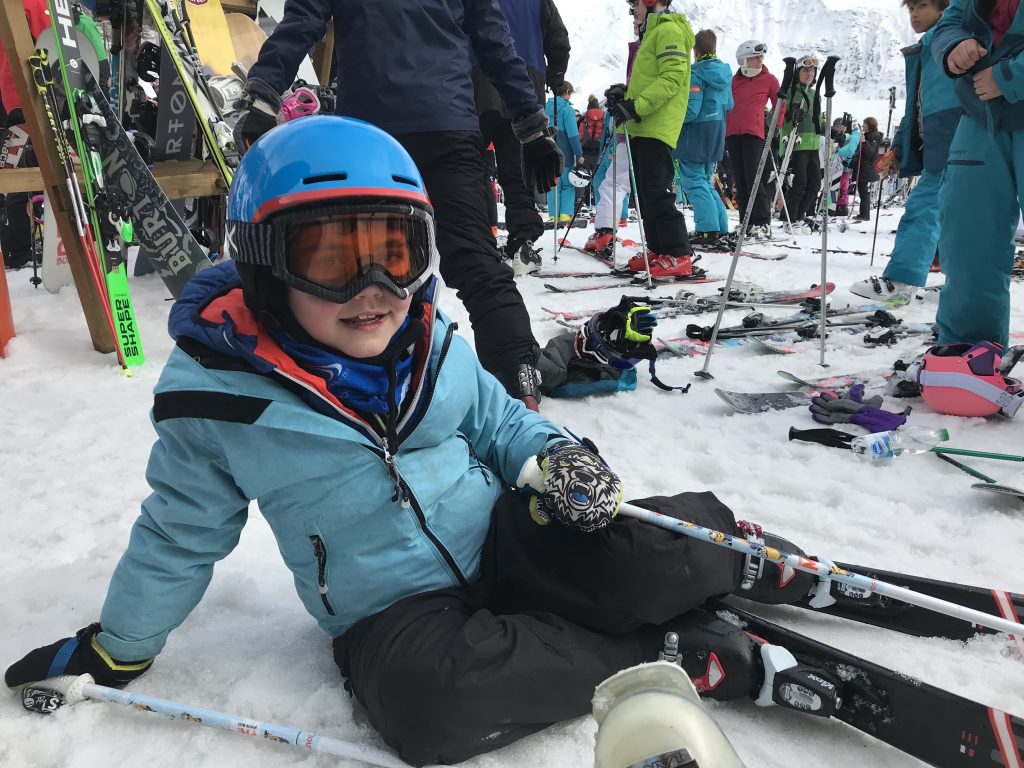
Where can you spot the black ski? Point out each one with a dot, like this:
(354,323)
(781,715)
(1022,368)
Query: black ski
(934,725)
(889,613)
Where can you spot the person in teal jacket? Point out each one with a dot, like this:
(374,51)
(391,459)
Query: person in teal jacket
(701,141)
(982,47)
(314,373)
(568,138)
(922,147)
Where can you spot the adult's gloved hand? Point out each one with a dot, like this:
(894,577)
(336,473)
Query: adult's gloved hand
(623,112)
(542,162)
(76,655)
(573,485)
(255,118)
(614,94)
(852,408)
(627,324)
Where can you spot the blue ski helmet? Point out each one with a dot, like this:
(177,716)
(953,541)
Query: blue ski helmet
(317,172)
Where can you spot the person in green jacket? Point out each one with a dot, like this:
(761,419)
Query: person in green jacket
(651,110)
(804,109)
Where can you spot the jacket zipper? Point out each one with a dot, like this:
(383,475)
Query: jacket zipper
(320,550)
(473,454)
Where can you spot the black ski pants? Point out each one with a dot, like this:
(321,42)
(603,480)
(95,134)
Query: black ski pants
(16,226)
(744,155)
(864,194)
(452,166)
(521,218)
(451,674)
(664,224)
(806,168)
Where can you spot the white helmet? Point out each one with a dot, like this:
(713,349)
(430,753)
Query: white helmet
(748,50)
(580,176)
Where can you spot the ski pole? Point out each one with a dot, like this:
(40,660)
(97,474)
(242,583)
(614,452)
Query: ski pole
(963,467)
(557,191)
(778,193)
(787,82)
(73,690)
(640,214)
(589,191)
(878,206)
(979,454)
(825,571)
(828,72)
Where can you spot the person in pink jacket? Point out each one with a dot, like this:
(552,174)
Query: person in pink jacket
(753,87)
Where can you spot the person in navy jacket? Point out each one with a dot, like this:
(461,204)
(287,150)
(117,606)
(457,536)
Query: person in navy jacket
(406,66)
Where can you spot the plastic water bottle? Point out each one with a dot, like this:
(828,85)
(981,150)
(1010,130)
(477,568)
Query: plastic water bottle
(880,447)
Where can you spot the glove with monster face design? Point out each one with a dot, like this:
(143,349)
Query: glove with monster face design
(573,485)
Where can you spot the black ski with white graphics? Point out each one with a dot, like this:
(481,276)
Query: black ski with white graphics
(893,614)
(934,725)
(757,324)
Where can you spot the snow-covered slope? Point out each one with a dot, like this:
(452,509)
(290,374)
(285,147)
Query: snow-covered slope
(868,40)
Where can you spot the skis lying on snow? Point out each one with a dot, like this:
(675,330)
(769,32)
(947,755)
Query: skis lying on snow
(763,402)
(889,613)
(635,278)
(756,324)
(1000,488)
(934,725)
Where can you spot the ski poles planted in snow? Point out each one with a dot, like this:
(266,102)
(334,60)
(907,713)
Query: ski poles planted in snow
(52,694)
(640,215)
(787,83)
(878,206)
(825,571)
(828,74)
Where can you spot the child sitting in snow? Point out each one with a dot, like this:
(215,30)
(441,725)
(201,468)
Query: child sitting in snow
(315,374)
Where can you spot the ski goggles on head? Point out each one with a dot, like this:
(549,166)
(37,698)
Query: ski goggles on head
(336,253)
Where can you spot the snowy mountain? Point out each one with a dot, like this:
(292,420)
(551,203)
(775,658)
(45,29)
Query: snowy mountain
(868,40)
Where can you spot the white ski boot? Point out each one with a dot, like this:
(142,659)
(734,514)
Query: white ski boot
(884,289)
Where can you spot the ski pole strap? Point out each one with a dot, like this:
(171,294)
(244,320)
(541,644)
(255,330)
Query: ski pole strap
(831,438)
(825,571)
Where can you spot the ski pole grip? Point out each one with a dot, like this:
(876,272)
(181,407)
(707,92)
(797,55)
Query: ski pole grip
(828,75)
(892,97)
(787,77)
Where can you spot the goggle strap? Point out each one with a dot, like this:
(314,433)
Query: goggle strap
(249,243)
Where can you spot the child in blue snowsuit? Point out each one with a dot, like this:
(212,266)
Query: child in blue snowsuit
(921,145)
(983,189)
(702,138)
(314,373)
(568,139)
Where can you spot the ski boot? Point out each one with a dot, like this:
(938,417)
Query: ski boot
(526,259)
(600,241)
(726,663)
(706,241)
(768,582)
(884,289)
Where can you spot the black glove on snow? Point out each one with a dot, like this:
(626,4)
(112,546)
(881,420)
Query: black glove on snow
(578,489)
(623,112)
(627,325)
(76,655)
(542,162)
(256,115)
(614,94)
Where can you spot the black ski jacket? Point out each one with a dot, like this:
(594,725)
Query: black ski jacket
(541,39)
(870,143)
(403,65)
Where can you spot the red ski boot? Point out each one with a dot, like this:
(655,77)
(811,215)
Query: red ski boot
(671,266)
(600,241)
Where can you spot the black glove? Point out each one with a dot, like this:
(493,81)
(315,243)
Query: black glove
(555,80)
(623,112)
(578,489)
(76,655)
(255,118)
(614,94)
(630,323)
(542,162)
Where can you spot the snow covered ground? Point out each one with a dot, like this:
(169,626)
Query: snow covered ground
(76,436)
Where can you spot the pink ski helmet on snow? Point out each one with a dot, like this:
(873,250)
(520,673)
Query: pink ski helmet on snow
(965,380)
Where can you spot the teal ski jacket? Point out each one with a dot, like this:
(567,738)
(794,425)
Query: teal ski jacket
(965,19)
(924,134)
(360,524)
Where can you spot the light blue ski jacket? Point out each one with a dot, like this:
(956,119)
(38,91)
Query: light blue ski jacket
(702,137)
(238,420)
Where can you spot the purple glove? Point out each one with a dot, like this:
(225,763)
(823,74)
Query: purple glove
(826,408)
